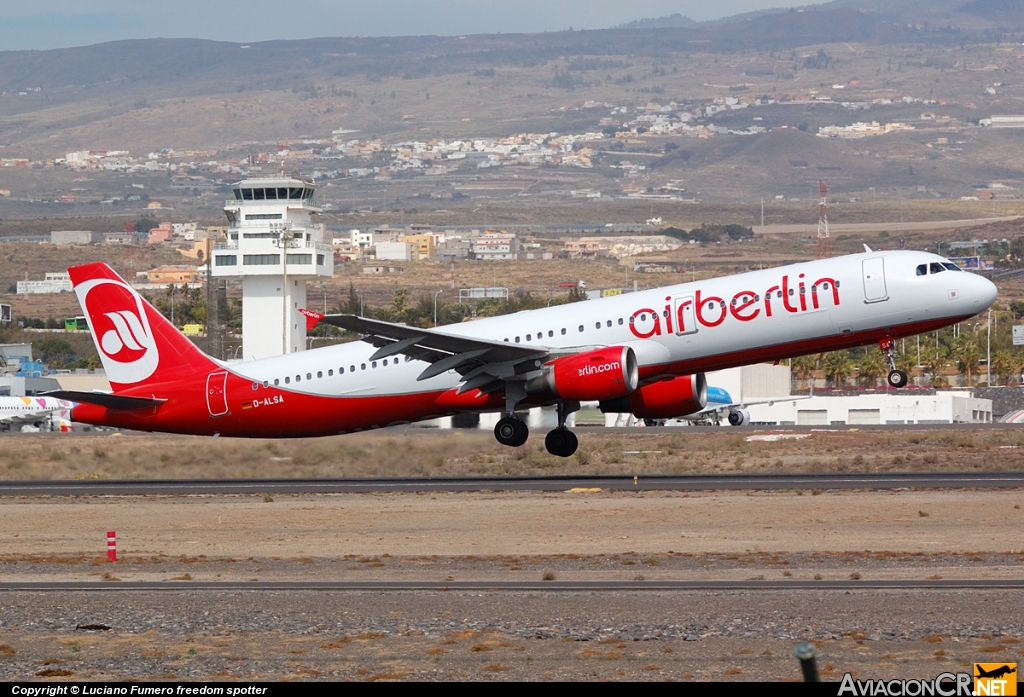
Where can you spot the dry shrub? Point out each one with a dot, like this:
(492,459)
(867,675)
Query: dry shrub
(6,650)
(378,677)
(367,636)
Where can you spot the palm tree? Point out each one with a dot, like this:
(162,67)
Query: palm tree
(872,366)
(838,366)
(1006,364)
(967,355)
(802,367)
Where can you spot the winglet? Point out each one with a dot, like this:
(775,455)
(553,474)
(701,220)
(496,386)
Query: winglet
(312,318)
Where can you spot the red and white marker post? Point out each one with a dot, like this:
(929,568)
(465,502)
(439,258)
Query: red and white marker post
(111,546)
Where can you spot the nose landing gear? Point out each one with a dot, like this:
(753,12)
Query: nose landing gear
(896,378)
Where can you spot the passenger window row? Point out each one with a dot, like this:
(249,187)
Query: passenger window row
(330,372)
(563,331)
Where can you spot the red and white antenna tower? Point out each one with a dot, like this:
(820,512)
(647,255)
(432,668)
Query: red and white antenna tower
(824,250)
(280,149)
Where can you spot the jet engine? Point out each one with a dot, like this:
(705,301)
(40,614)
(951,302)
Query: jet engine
(665,399)
(594,375)
(739,417)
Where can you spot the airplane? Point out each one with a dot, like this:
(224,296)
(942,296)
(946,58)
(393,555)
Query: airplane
(994,673)
(40,412)
(719,405)
(644,352)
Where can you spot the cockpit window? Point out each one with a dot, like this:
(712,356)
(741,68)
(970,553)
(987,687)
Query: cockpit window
(951,266)
(935,267)
(922,270)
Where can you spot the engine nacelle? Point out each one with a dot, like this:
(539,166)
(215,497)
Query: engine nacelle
(605,373)
(665,399)
(739,417)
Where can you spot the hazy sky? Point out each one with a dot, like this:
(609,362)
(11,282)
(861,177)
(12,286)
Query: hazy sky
(42,24)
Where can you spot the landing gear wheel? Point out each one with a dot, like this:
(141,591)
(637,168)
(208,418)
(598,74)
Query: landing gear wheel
(561,442)
(511,431)
(897,378)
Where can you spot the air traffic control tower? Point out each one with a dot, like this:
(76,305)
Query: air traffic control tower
(275,248)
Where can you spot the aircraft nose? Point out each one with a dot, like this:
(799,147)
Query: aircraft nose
(983,293)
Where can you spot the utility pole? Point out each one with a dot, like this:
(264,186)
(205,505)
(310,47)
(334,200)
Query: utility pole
(824,249)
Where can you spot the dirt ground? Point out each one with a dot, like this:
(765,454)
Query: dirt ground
(585,535)
(431,452)
(511,525)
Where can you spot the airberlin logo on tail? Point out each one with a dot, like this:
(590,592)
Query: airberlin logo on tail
(121,329)
(744,306)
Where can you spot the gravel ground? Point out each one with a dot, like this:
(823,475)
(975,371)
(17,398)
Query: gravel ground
(274,635)
(502,636)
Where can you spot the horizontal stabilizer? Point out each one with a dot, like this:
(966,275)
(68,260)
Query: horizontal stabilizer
(104,399)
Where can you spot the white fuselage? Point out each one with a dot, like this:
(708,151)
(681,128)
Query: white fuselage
(699,326)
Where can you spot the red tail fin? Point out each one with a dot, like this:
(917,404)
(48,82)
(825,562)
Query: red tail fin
(137,345)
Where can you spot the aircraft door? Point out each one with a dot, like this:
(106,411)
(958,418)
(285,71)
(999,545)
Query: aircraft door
(217,393)
(683,315)
(874,280)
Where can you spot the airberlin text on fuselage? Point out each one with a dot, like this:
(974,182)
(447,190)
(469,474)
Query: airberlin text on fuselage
(744,306)
(603,368)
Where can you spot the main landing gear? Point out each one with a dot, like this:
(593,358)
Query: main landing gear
(896,378)
(511,431)
(561,442)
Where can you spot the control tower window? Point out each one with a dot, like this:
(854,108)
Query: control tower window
(257,194)
(238,194)
(282,194)
(247,194)
(295,193)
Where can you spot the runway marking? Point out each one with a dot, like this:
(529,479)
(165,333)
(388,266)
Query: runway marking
(698,482)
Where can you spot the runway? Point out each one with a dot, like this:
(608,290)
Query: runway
(769,482)
(518,586)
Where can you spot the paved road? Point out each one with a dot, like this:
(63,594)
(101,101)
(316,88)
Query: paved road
(839,228)
(921,480)
(511,586)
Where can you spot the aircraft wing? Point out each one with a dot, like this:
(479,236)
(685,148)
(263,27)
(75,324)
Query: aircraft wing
(718,410)
(23,418)
(483,364)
